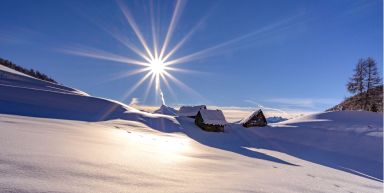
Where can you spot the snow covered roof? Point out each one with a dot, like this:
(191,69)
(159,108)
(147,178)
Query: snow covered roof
(249,117)
(213,117)
(188,111)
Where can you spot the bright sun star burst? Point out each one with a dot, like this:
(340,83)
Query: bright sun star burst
(157,67)
(157,55)
(157,59)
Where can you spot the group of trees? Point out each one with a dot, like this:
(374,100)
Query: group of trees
(366,77)
(31,72)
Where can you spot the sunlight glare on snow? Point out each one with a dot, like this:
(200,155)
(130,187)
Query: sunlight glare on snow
(168,148)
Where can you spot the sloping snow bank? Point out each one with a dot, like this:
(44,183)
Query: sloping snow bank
(24,95)
(14,78)
(49,104)
(359,122)
(51,155)
(354,133)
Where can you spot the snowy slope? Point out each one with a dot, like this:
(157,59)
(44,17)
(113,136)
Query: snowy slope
(91,144)
(49,155)
(13,78)
(350,141)
(24,95)
(356,133)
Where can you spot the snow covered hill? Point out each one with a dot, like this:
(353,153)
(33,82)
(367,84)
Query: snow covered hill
(51,155)
(360,132)
(58,139)
(10,77)
(24,95)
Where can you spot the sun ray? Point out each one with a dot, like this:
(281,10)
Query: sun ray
(127,43)
(126,74)
(157,79)
(157,86)
(205,52)
(118,37)
(171,68)
(149,86)
(184,86)
(131,21)
(185,39)
(175,17)
(130,91)
(153,29)
(166,83)
(99,54)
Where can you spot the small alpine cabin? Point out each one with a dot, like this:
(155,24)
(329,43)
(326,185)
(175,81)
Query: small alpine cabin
(190,111)
(211,120)
(255,119)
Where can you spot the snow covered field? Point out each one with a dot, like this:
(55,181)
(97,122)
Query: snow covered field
(45,155)
(90,144)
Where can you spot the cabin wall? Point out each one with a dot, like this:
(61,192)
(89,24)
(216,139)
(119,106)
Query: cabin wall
(213,128)
(199,120)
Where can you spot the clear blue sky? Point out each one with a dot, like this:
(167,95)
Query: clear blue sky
(284,54)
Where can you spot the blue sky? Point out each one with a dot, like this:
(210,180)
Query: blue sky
(291,55)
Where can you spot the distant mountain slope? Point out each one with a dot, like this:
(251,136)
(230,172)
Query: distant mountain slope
(165,110)
(356,102)
(30,72)
(276,119)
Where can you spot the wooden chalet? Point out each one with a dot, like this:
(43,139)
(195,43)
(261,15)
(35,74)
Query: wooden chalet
(211,120)
(255,119)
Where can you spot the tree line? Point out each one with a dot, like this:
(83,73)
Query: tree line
(366,77)
(30,72)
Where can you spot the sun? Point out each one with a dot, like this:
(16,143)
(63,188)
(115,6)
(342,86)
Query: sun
(156,58)
(157,67)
